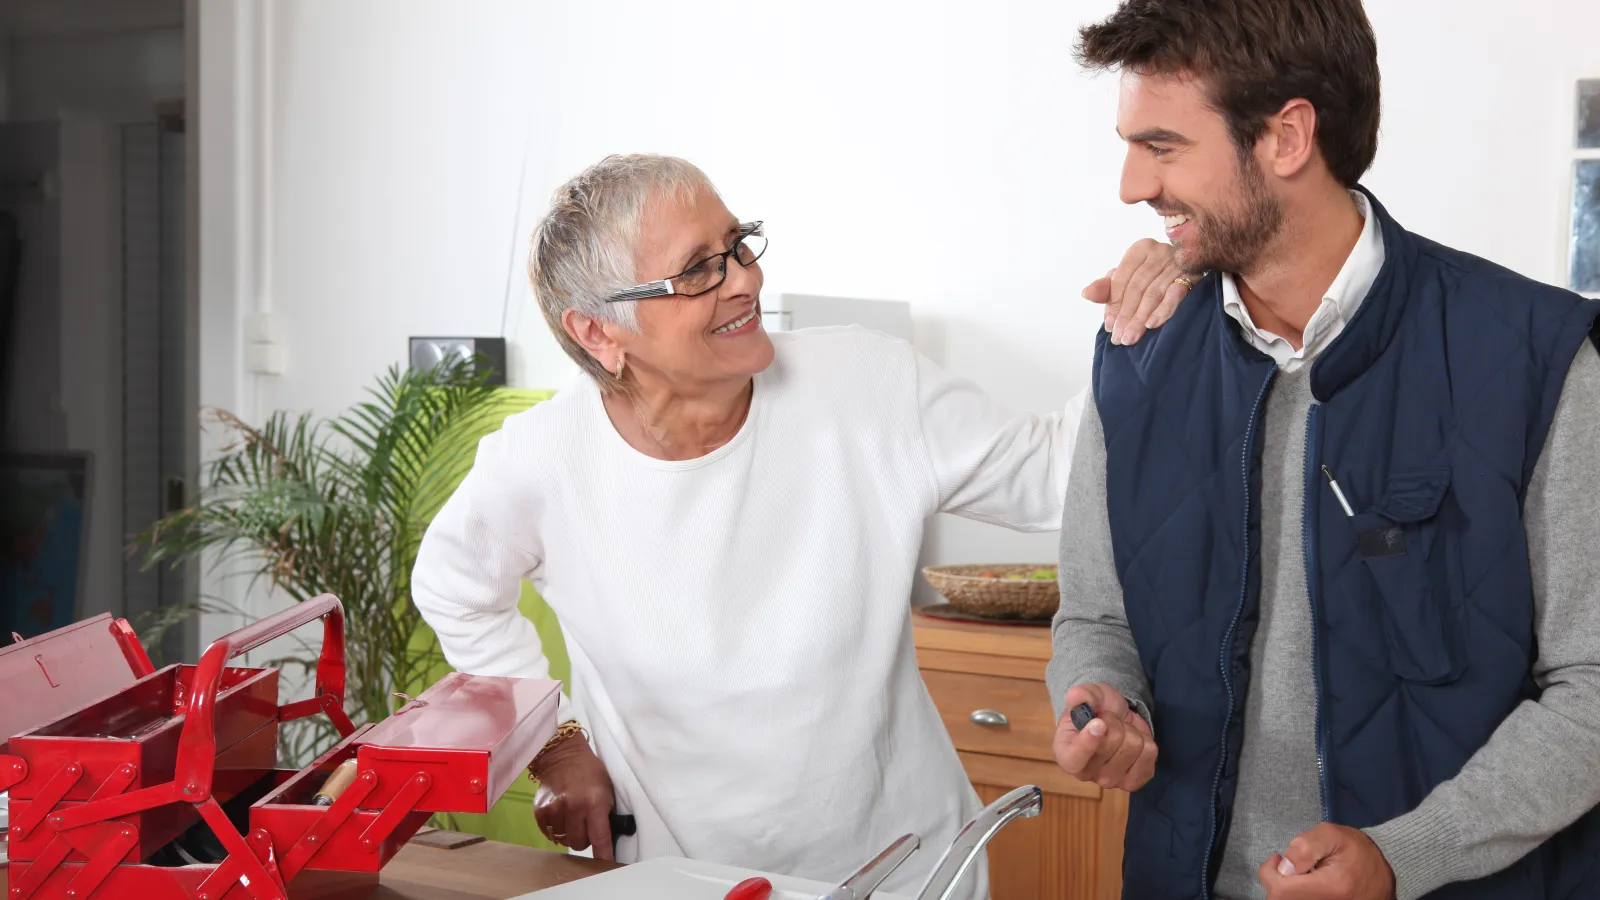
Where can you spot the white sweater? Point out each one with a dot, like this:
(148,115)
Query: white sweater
(738,623)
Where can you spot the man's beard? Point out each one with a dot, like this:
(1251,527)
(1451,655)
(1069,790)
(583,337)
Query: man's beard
(1232,239)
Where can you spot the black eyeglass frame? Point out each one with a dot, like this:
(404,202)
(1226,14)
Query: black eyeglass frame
(665,288)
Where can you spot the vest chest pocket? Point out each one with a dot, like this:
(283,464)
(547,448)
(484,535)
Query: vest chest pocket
(1402,544)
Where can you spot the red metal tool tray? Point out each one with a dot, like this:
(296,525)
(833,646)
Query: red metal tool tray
(167,787)
(62,670)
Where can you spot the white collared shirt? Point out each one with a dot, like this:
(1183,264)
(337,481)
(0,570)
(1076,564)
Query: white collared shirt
(1338,306)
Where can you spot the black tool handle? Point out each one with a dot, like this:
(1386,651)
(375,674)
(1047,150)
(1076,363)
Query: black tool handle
(1082,715)
(622,825)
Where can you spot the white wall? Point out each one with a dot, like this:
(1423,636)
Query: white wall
(947,153)
(222,228)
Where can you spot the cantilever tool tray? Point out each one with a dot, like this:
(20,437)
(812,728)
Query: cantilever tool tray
(127,781)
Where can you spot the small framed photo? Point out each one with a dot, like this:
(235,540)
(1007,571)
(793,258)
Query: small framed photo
(1589,114)
(1583,248)
(43,539)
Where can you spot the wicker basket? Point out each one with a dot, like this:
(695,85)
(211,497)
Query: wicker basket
(991,596)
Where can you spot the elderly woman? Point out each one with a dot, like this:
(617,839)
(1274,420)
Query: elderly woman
(727,523)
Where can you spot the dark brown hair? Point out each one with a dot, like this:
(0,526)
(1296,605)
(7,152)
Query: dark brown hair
(1254,56)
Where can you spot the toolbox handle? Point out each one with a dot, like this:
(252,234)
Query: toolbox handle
(197,745)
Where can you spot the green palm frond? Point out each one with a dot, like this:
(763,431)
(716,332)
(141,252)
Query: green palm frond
(338,506)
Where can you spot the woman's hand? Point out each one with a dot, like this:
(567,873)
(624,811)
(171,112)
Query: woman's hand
(574,801)
(1141,293)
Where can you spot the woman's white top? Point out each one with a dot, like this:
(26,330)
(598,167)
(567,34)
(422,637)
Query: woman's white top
(738,624)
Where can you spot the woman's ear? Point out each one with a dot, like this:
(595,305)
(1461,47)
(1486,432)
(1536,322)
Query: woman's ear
(593,335)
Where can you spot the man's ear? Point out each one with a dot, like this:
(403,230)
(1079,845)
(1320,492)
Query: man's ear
(1290,141)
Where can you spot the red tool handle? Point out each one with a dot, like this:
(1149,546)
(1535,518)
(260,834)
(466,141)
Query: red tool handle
(197,745)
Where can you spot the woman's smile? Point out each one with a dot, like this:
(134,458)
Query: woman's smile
(744,323)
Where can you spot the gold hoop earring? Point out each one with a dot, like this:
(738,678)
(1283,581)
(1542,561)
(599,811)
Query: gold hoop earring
(621,361)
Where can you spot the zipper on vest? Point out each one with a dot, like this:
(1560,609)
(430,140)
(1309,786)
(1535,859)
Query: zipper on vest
(1308,548)
(1227,638)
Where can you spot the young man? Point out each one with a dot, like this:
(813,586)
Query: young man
(1332,544)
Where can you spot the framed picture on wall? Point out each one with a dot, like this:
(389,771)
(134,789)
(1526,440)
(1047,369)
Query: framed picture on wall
(1583,250)
(44,518)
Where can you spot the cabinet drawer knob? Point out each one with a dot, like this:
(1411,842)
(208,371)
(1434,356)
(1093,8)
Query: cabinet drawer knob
(989,717)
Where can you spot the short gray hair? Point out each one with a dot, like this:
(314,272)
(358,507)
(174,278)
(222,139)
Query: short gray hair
(582,250)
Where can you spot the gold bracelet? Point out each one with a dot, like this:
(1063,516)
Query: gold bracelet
(564,731)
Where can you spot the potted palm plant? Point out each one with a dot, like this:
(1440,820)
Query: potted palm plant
(339,506)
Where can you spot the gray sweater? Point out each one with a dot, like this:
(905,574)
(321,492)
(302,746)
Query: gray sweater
(1538,772)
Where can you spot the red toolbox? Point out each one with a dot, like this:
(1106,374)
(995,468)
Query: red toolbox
(62,670)
(166,785)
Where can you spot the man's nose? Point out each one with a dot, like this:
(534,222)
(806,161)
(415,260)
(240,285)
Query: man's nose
(1139,180)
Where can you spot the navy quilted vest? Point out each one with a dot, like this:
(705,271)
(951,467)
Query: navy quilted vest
(1433,408)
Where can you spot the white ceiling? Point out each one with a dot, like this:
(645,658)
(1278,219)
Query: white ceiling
(38,18)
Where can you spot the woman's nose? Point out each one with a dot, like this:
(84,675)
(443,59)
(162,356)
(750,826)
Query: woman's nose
(741,280)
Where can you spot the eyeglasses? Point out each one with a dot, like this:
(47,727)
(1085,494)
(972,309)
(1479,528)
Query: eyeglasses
(705,275)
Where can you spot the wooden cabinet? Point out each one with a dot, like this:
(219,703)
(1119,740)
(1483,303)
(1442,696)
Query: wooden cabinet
(988,684)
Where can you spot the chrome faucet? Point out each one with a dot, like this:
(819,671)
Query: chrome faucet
(1022,803)
(861,885)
